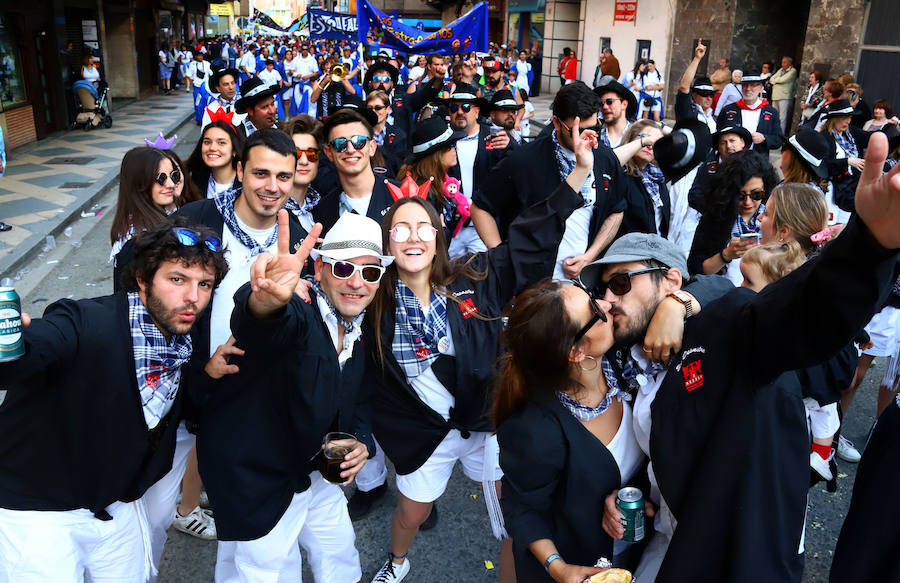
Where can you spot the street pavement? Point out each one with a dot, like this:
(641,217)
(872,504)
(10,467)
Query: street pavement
(458,549)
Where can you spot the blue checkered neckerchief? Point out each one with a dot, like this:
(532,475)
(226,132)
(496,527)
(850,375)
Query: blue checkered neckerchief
(309,203)
(742,227)
(565,161)
(417,335)
(349,325)
(586,413)
(379,136)
(847,143)
(652,177)
(225,205)
(157,361)
(632,369)
(889,164)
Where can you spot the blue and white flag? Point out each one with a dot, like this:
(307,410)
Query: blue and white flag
(332,25)
(467,33)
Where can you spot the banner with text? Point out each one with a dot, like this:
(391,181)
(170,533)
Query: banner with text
(263,19)
(467,33)
(626,12)
(332,25)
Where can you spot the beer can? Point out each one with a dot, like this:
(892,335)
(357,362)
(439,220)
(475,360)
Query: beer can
(630,502)
(12,342)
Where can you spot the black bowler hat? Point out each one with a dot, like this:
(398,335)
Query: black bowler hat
(812,148)
(430,135)
(837,108)
(466,93)
(355,103)
(253,91)
(377,67)
(752,76)
(217,76)
(682,150)
(504,99)
(608,84)
(703,86)
(741,131)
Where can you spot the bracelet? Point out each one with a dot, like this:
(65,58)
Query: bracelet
(549,560)
(722,255)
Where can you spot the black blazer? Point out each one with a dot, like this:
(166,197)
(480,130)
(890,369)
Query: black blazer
(73,433)
(395,148)
(556,476)
(729,432)
(844,179)
(407,428)
(706,169)
(485,160)
(260,430)
(640,215)
(328,211)
(769,125)
(530,174)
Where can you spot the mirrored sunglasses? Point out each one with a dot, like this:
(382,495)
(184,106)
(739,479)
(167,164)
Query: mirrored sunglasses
(381,78)
(191,238)
(340,144)
(345,270)
(402,233)
(312,154)
(465,107)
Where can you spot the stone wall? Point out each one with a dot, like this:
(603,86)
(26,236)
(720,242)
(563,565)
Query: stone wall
(711,20)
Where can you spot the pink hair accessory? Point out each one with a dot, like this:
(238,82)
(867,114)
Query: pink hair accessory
(162,143)
(826,234)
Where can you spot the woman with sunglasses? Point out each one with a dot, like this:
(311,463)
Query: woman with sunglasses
(433,341)
(213,163)
(649,207)
(734,199)
(390,138)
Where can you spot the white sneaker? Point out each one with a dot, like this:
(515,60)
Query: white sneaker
(198,523)
(391,572)
(204,500)
(820,466)
(847,451)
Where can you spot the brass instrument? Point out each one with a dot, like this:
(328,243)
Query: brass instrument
(335,75)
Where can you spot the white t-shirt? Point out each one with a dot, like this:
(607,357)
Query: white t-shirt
(416,73)
(270,78)
(653,78)
(526,123)
(195,68)
(432,392)
(575,239)
(466,150)
(214,189)
(306,66)
(248,62)
(239,260)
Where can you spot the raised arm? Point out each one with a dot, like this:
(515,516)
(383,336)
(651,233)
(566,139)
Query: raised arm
(699,51)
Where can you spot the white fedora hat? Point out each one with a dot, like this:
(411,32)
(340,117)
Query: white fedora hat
(352,236)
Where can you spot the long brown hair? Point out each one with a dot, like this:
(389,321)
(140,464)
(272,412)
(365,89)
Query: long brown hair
(539,336)
(443,271)
(135,207)
(427,167)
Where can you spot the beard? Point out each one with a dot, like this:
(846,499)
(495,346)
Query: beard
(633,330)
(167,319)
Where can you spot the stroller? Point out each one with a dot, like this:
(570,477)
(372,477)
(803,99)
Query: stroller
(92,109)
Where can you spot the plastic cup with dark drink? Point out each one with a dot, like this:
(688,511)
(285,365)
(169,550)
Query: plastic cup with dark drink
(336,446)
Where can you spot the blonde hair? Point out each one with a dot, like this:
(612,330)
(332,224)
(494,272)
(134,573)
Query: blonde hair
(776,260)
(801,208)
(638,127)
(383,97)
(828,124)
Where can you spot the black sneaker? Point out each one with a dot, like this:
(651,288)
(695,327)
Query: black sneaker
(4,227)
(432,519)
(361,502)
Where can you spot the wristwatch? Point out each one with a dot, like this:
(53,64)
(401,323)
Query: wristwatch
(685,299)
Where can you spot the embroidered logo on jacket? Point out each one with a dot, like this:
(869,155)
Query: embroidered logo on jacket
(767,116)
(692,371)
(468,309)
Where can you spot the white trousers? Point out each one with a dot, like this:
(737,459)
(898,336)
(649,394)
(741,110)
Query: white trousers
(74,546)
(161,498)
(317,519)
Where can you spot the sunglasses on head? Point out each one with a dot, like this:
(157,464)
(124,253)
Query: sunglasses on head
(381,78)
(345,270)
(620,283)
(465,107)
(312,154)
(190,238)
(756,195)
(340,144)
(162,177)
(402,233)
(598,313)
(377,107)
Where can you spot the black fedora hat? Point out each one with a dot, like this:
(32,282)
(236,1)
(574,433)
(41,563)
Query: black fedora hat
(253,91)
(893,136)
(217,76)
(740,130)
(377,67)
(837,108)
(608,84)
(812,148)
(703,86)
(355,103)
(752,76)
(504,99)
(682,150)
(430,135)
(466,93)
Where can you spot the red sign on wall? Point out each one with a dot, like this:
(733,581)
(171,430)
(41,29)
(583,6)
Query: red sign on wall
(625,11)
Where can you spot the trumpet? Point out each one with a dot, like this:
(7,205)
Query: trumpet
(335,75)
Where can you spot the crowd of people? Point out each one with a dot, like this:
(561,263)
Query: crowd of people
(367,257)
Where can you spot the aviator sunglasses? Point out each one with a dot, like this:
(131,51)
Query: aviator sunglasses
(162,177)
(340,144)
(345,270)
(191,238)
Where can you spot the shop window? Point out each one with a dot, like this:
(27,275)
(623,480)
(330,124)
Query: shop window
(12,85)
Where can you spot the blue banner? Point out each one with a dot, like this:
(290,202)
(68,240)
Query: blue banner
(331,25)
(467,33)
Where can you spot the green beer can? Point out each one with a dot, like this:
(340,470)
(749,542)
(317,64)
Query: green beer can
(12,341)
(630,502)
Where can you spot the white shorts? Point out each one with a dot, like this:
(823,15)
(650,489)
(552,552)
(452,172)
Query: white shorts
(74,545)
(466,241)
(428,483)
(317,519)
(882,328)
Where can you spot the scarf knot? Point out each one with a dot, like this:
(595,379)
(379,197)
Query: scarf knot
(225,206)
(586,413)
(419,337)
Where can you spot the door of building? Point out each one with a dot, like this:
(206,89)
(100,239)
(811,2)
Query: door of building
(879,55)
